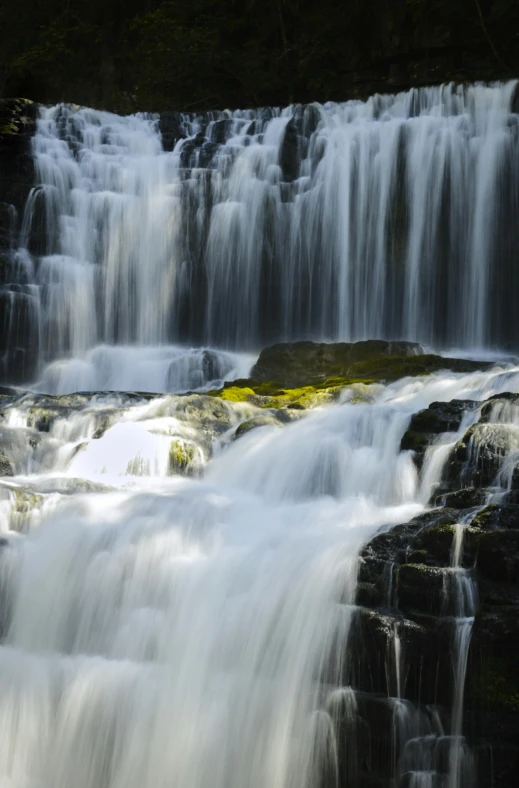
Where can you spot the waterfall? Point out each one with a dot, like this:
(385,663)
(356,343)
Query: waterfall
(180,602)
(162,630)
(390,218)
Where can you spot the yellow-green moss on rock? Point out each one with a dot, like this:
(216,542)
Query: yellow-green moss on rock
(181,456)
(303,375)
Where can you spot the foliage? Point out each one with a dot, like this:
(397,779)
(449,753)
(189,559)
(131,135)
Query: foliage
(159,54)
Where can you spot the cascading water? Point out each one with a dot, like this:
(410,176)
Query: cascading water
(160,629)
(390,218)
(178,600)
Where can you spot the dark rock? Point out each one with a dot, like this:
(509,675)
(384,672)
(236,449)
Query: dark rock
(6,469)
(171,128)
(302,363)
(477,459)
(438,418)
(251,424)
(420,588)
(17,125)
(289,153)
(220,130)
(498,556)
(463,499)
(497,516)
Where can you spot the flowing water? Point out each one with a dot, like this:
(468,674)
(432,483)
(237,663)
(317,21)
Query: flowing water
(175,604)
(165,630)
(391,218)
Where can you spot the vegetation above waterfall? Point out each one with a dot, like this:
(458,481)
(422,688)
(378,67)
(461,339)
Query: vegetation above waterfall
(203,54)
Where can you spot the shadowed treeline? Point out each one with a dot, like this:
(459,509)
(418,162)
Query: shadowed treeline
(132,55)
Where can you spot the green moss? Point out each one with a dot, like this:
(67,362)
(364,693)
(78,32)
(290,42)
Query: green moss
(233,393)
(313,374)
(486,516)
(270,394)
(496,687)
(181,455)
(25,501)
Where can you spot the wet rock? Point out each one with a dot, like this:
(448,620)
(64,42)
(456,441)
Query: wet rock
(289,153)
(181,458)
(251,424)
(17,125)
(220,130)
(420,588)
(171,128)
(497,516)
(6,469)
(301,363)
(438,418)
(477,460)
(467,498)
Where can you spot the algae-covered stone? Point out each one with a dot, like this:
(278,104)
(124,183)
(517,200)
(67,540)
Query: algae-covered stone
(463,499)
(251,424)
(295,364)
(181,456)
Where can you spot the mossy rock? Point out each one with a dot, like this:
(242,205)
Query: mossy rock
(271,395)
(252,424)
(181,456)
(296,364)
(420,587)
(467,498)
(428,424)
(436,544)
(17,116)
(25,502)
(303,375)
(42,419)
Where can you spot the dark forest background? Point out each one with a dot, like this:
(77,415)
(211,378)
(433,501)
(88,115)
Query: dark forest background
(129,55)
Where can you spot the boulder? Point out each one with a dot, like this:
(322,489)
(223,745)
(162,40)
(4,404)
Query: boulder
(438,418)
(293,364)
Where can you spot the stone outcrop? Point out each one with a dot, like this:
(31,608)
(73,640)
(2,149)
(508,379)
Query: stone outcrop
(301,363)
(406,594)
(17,125)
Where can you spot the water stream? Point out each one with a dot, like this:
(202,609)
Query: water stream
(391,218)
(160,629)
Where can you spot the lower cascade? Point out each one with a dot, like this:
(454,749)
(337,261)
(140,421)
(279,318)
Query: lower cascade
(302,583)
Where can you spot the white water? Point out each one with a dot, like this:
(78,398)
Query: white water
(396,220)
(163,630)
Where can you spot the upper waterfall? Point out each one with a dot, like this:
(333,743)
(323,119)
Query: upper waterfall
(388,218)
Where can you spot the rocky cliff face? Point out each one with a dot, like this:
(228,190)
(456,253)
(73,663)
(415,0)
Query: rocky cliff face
(406,581)
(17,125)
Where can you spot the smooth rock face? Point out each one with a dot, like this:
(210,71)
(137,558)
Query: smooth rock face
(298,363)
